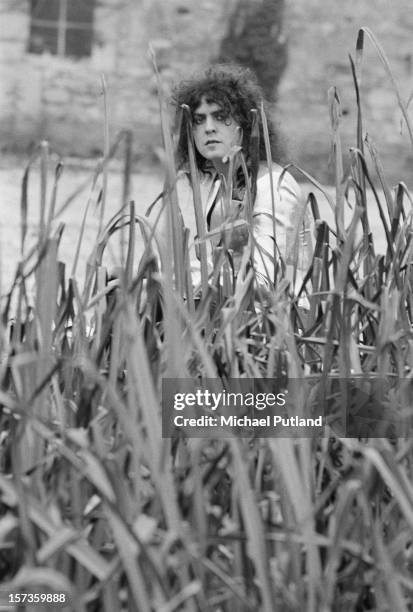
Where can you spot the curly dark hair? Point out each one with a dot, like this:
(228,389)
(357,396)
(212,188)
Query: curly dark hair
(237,92)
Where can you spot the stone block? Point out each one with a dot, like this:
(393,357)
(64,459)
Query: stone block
(14,27)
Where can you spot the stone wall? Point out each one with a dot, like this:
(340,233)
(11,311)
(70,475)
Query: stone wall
(321,37)
(60,99)
(43,96)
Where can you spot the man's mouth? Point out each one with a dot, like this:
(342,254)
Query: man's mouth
(208,142)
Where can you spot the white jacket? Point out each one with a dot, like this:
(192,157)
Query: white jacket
(291,228)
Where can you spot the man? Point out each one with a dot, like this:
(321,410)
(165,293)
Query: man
(248,204)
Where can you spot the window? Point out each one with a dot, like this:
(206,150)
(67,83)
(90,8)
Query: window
(61,27)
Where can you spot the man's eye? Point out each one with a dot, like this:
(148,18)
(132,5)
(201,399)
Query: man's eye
(224,118)
(198,120)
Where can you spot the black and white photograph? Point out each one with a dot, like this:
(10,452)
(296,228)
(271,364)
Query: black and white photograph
(206,306)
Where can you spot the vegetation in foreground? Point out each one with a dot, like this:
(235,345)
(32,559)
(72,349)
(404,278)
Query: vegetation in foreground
(94,503)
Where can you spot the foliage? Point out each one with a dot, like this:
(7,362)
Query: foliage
(255,39)
(95,503)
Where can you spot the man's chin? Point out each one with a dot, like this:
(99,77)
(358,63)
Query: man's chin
(214,157)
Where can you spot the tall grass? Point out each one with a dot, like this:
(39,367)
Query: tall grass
(96,504)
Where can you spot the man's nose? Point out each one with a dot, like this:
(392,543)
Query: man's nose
(209,124)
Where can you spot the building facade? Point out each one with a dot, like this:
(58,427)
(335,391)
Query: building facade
(53,54)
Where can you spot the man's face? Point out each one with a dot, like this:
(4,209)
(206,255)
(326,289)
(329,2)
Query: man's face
(215,132)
